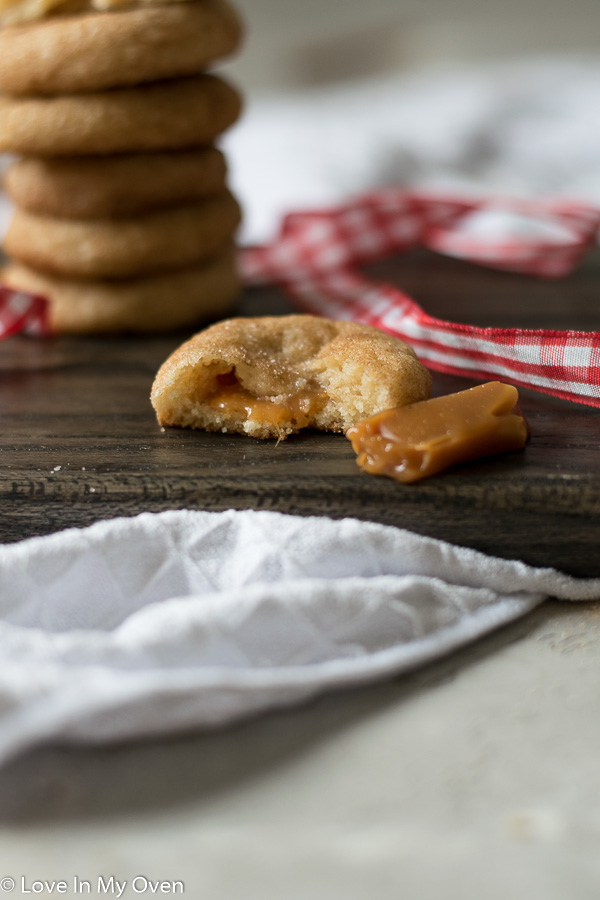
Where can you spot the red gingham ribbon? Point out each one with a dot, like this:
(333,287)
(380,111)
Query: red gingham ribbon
(316,254)
(22,312)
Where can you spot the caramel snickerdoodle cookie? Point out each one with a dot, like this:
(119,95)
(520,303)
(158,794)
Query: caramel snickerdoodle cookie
(165,302)
(268,377)
(95,50)
(122,248)
(175,114)
(115,187)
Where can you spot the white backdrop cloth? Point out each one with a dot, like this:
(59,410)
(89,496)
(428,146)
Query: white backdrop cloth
(521,128)
(163,622)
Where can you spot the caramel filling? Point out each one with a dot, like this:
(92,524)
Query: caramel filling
(413,442)
(234,401)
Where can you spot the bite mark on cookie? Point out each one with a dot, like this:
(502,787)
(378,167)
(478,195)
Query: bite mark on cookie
(272,376)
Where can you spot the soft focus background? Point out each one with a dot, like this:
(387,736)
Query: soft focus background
(476,778)
(345,95)
(313,42)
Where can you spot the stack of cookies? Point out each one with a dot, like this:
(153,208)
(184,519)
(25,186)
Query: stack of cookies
(123,219)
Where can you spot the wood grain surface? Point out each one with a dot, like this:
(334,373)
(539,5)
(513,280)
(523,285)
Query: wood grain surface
(80,443)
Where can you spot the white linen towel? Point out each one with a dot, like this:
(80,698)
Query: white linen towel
(521,128)
(163,622)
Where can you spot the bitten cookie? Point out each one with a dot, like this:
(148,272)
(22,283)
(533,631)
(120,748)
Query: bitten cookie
(268,377)
(99,249)
(99,187)
(92,51)
(181,113)
(166,302)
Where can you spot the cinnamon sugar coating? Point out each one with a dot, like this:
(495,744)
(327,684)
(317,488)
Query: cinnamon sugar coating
(156,303)
(174,114)
(335,372)
(82,50)
(98,187)
(112,249)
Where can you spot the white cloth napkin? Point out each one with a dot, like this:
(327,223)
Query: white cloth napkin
(517,128)
(163,622)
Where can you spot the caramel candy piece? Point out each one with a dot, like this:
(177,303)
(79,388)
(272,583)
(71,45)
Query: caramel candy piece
(412,442)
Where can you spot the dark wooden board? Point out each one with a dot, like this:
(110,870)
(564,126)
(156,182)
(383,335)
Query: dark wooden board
(80,443)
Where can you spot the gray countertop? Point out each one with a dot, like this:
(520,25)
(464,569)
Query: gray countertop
(477,776)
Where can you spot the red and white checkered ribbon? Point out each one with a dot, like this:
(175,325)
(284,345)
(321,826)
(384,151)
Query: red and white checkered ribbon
(316,255)
(20,312)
